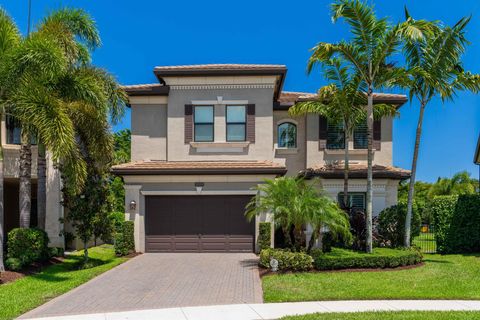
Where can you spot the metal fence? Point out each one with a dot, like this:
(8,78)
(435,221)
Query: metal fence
(426,241)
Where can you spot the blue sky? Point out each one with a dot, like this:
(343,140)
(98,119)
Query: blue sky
(138,35)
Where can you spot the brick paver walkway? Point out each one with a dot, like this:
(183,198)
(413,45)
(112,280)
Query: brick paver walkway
(161,280)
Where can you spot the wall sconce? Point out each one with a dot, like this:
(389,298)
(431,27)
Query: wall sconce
(133,205)
(199,186)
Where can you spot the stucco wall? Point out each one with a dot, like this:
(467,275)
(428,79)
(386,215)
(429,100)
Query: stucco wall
(149,132)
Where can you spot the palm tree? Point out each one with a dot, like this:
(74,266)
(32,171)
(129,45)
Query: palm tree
(460,183)
(342,102)
(435,69)
(373,41)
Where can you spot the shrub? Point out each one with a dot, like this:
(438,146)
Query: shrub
(55,252)
(380,258)
(13,264)
(442,208)
(264,235)
(391,224)
(124,240)
(27,245)
(287,260)
(117,219)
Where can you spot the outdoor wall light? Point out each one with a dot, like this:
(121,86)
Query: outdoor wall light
(133,205)
(199,186)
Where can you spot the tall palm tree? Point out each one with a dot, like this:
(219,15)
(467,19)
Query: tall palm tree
(342,101)
(373,42)
(435,69)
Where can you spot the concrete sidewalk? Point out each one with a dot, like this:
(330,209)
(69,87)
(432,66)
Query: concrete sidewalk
(278,310)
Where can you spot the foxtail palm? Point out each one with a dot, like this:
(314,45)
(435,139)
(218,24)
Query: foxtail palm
(435,69)
(373,42)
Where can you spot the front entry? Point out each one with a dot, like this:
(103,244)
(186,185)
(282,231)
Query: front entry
(213,223)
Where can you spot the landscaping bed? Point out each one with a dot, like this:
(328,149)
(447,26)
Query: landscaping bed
(397,315)
(9,276)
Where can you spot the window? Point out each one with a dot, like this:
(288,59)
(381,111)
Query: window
(287,135)
(236,123)
(360,139)
(203,123)
(13,130)
(355,199)
(335,136)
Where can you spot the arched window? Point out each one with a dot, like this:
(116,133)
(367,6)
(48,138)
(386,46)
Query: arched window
(287,135)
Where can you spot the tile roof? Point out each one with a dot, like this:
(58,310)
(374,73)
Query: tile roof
(359,171)
(217,67)
(198,167)
(292,97)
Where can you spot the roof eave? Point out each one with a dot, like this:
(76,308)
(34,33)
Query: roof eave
(199,171)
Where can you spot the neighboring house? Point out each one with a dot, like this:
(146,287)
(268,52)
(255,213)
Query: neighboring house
(204,135)
(11,153)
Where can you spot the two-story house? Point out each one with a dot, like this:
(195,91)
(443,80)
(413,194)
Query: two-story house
(204,135)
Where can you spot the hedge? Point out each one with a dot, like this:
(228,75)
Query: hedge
(457,223)
(124,240)
(264,235)
(380,258)
(287,260)
(391,224)
(26,245)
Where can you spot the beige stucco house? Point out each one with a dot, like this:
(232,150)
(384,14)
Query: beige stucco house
(204,135)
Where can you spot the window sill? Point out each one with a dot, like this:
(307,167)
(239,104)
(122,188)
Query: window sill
(350,151)
(286,150)
(220,146)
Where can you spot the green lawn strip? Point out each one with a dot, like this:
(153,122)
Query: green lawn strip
(403,315)
(426,242)
(29,292)
(442,277)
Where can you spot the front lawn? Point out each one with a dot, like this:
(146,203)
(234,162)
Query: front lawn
(442,277)
(32,291)
(404,315)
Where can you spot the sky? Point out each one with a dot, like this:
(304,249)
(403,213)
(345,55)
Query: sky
(138,35)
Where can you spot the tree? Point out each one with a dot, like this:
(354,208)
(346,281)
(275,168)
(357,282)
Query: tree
(341,102)
(373,41)
(435,69)
(295,203)
(460,183)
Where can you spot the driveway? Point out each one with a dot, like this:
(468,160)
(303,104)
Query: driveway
(163,280)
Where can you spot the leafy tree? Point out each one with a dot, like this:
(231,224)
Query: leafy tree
(460,183)
(373,42)
(435,69)
(122,143)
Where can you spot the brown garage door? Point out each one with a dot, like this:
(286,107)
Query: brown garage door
(198,224)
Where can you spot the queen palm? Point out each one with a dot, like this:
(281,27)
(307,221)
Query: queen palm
(343,102)
(373,42)
(436,69)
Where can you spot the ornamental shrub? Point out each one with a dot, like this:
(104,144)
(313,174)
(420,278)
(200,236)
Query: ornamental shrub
(380,258)
(391,224)
(287,260)
(124,240)
(264,235)
(13,264)
(27,245)
(442,208)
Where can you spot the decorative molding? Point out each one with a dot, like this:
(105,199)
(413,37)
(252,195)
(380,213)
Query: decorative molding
(222,86)
(195,193)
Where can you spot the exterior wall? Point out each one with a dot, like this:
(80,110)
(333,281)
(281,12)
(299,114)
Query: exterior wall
(293,159)
(316,157)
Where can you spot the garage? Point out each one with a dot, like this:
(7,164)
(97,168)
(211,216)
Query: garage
(198,223)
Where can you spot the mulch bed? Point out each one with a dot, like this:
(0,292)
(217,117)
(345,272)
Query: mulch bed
(37,267)
(265,272)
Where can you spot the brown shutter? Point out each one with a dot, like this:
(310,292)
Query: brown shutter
(188,123)
(322,133)
(377,134)
(251,122)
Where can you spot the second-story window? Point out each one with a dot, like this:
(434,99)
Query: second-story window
(360,137)
(236,123)
(13,130)
(287,135)
(203,123)
(335,136)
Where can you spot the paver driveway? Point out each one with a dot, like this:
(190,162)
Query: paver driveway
(161,280)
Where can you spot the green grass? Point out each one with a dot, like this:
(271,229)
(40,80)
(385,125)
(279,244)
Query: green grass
(29,292)
(404,315)
(426,242)
(442,277)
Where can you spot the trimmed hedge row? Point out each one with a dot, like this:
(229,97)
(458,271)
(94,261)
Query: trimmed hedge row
(124,239)
(287,260)
(442,208)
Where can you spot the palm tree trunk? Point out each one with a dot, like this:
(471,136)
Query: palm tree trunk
(286,235)
(25,189)
(41,186)
(369,209)
(2,267)
(345,172)
(411,188)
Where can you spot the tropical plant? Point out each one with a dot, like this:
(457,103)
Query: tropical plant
(460,183)
(295,203)
(342,101)
(373,42)
(435,69)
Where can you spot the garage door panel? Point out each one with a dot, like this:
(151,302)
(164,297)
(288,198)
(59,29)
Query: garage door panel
(198,224)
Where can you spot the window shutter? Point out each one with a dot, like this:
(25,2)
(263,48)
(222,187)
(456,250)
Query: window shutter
(251,123)
(188,123)
(322,133)
(377,134)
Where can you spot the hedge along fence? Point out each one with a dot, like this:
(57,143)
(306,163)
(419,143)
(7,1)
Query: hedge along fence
(264,235)
(457,223)
(124,239)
